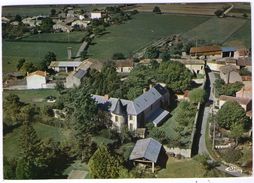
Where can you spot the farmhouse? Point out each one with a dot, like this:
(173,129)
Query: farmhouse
(195,66)
(148,151)
(36,80)
(81,24)
(65,66)
(212,52)
(5,20)
(244,102)
(32,21)
(76,76)
(244,62)
(96,15)
(245,92)
(124,66)
(230,74)
(148,107)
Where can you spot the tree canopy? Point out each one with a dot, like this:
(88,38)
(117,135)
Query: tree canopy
(175,75)
(157,10)
(104,164)
(197,95)
(231,113)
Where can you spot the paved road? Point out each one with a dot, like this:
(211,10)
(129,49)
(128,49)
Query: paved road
(82,47)
(202,145)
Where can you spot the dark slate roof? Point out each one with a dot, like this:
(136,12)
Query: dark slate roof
(140,104)
(144,101)
(119,108)
(80,73)
(158,116)
(161,89)
(146,148)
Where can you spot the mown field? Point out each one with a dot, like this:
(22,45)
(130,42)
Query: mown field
(72,37)
(216,30)
(138,32)
(240,38)
(33,52)
(11,140)
(32,96)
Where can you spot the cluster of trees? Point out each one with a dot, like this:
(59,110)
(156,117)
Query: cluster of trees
(232,117)
(244,72)
(14,31)
(226,89)
(25,66)
(37,159)
(184,118)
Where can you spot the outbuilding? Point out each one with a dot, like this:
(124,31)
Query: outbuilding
(148,152)
(36,80)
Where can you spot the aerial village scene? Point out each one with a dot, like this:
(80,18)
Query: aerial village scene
(106,91)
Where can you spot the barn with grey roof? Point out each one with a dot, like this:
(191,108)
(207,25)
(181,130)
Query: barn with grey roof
(148,151)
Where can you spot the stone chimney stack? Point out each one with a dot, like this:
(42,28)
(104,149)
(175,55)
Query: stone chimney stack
(144,90)
(69,52)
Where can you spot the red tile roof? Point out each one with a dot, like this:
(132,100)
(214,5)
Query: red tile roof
(40,73)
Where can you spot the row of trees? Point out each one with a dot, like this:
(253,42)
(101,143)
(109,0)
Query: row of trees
(226,89)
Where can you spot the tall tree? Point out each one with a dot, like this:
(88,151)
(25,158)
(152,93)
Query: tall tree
(104,164)
(30,153)
(231,113)
(175,75)
(236,131)
(48,58)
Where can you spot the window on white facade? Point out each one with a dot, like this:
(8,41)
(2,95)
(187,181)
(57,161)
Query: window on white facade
(131,117)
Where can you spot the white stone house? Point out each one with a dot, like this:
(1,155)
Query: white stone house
(148,107)
(36,80)
(80,23)
(96,15)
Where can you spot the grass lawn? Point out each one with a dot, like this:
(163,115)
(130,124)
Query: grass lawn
(33,52)
(169,126)
(73,37)
(143,29)
(33,96)
(187,168)
(102,140)
(216,30)
(241,38)
(11,140)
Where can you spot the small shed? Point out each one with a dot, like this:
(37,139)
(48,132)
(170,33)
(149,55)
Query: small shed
(148,151)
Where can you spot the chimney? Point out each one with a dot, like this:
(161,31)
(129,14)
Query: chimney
(106,96)
(150,86)
(69,50)
(144,90)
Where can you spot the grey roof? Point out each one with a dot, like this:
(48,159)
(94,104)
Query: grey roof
(157,116)
(119,108)
(227,69)
(228,49)
(144,101)
(80,73)
(146,148)
(139,104)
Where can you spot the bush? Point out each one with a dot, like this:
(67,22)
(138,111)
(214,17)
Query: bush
(231,155)
(157,10)
(197,95)
(118,56)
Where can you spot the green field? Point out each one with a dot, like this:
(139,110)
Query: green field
(33,52)
(72,37)
(181,169)
(11,140)
(242,37)
(138,32)
(35,10)
(216,30)
(33,96)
